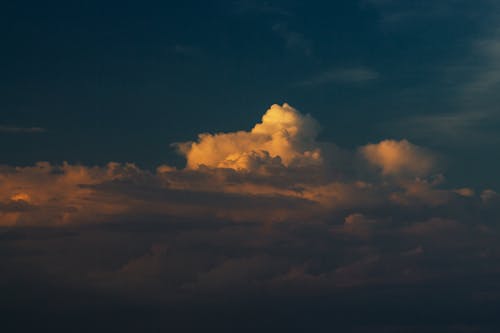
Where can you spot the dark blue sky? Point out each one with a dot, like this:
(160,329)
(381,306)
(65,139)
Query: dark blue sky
(120,81)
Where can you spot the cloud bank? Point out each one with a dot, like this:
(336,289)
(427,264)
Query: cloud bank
(277,171)
(262,216)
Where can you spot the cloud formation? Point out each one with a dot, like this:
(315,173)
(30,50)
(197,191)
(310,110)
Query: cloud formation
(255,215)
(399,157)
(342,75)
(275,172)
(14,129)
(283,138)
(46,194)
(293,39)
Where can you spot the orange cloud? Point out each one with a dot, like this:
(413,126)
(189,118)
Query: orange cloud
(284,137)
(275,172)
(399,157)
(56,194)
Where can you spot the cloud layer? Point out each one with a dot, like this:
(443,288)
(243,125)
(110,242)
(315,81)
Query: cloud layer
(277,171)
(255,215)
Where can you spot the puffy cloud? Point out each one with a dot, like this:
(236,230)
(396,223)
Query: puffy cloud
(489,195)
(276,172)
(466,192)
(399,158)
(284,137)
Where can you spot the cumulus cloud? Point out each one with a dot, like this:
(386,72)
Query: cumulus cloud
(284,137)
(275,172)
(399,157)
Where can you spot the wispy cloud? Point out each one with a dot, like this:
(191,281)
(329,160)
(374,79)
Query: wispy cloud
(186,50)
(397,12)
(469,78)
(14,129)
(251,6)
(486,74)
(341,75)
(464,128)
(294,40)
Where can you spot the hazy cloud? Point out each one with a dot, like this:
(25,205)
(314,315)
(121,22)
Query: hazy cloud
(186,50)
(293,40)
(342,75)
(261,7)
(399,157)
(469,78)
(13,129)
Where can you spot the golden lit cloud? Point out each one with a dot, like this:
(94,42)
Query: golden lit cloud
(284,137)
(57,194)
(275,172)
(399,157)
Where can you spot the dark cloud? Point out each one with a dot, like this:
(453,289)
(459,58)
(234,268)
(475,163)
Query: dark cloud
(269,224)
(13,129)
(342,76)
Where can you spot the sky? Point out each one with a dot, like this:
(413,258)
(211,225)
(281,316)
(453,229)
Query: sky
(250,165)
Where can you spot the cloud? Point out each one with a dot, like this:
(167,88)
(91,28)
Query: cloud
(356,224)
(485,75)
(399,157)
(469,79)
(283,138)
(56,194)
(13,129)
(489,195)
(275,172)
(395,13)
(433,226)
(261,7)
(254,215)
(342,75)
(293,40)
(186,50)
(466,127)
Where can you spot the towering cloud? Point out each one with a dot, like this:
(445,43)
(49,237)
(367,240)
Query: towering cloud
(284,137)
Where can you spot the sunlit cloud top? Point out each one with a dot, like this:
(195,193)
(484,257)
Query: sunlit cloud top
(284,137)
